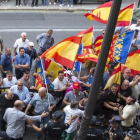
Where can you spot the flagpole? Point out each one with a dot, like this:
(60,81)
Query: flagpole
(45,81)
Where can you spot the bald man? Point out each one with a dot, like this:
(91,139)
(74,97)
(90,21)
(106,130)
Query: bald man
(125,92)
(42,102)
(126,75)
(15,119)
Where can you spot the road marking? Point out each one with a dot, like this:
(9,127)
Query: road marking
(44,30)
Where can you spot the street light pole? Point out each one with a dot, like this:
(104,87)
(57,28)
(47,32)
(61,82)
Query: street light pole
(99,69)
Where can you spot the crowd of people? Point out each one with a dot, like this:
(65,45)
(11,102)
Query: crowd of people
(116,112)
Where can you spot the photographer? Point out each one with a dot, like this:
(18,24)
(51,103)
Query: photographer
(116,132)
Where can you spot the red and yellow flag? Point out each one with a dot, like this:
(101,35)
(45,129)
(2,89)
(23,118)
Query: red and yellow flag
(52,68)
(87,36)
(39,82)
(114,78)
(132,62)
(87,54)
(64,52)
(101,14)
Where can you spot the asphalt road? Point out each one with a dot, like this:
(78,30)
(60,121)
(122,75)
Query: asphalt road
(65,24)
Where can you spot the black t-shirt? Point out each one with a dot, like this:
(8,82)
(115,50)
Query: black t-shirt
(5,103)
(109,96)
(122,79)
(98,106)
(54,130)
(125,93)
(94,134)
(117,134)
(3,136)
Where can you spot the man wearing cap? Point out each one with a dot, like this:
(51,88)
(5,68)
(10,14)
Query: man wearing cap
(107,75)
(116,133)
(31,52)
(54,128)
(73,95)
(93,133)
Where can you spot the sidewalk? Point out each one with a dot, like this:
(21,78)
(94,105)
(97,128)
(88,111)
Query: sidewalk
(11,5)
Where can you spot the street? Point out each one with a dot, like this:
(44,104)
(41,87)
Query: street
(64,24)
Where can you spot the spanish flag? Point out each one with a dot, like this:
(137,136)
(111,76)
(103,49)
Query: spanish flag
(52,68)
(101,14)
(133,62)
(114,78)
(87,36)
(88,54)
(64,52)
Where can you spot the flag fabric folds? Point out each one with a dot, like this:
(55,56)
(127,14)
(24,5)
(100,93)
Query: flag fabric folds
(39,82)
(132,62)
(101,14)
(64,52)
(87,36)
(122,46)
(114,78)
(77,64)
(40,78)
(87,55)
(52,68)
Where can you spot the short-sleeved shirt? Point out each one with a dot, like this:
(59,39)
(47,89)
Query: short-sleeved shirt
(54,130)
(6,62)
(109,96)
(5,103)
(71,96)
(94,134)
(59,84)
(22,60)
(125,93)
(129,111)
(7,83)
(117,134)
(19,43)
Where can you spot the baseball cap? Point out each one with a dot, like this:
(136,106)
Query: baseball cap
(31,44)
(58,115)
(115,119)
(76,85)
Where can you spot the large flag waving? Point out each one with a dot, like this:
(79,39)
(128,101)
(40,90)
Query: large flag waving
(133,62)
(122,46)
(101,14)
(64,52)
(87,36)
(114,78)
(52,68)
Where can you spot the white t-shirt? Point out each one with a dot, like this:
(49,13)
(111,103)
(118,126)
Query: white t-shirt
(19,43)
(7,83)
(59,84)
(133,27)
(68,111)
(135,90)
(129,112)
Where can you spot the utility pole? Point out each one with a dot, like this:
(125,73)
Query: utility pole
(115,8)
(138,3)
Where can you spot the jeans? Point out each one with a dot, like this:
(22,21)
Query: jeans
(43,120)
(2,124)
(70,2)
(60,1)
(44,2)
(18,2)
